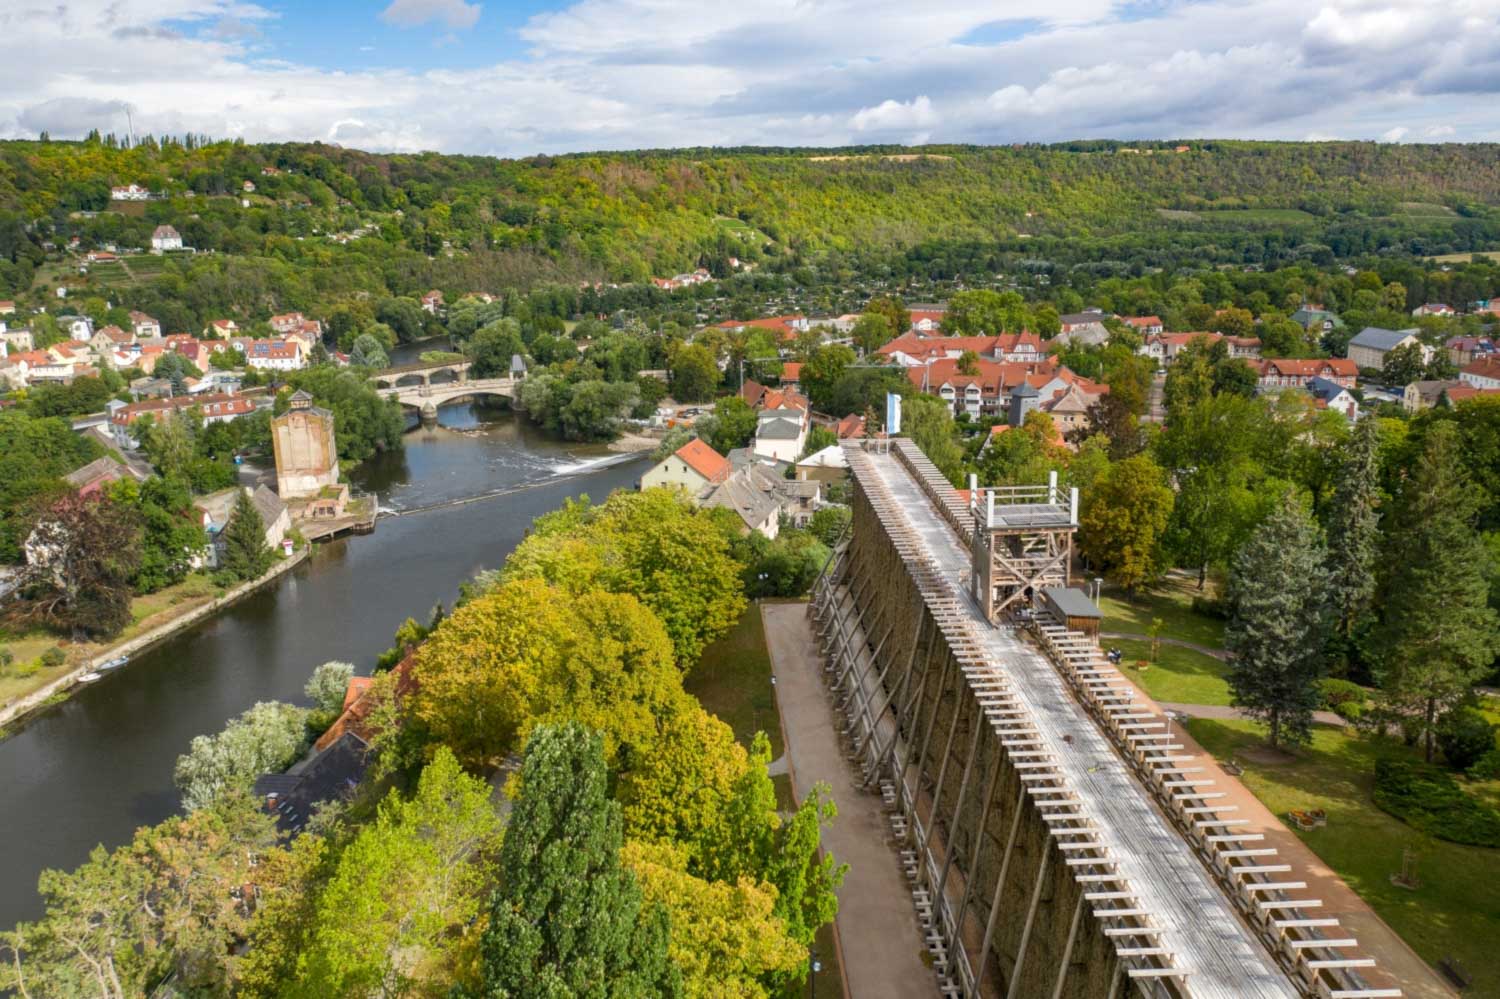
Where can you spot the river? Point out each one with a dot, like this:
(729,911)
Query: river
(93,768)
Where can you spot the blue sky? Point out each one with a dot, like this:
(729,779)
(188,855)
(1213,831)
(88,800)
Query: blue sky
(527,77)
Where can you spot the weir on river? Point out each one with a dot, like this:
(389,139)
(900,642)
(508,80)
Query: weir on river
(97,766)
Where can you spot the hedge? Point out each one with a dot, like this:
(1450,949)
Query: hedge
(1427,798)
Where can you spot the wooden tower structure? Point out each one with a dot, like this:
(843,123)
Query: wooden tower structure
(1022,542)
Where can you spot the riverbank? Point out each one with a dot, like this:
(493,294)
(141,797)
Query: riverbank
(633,443)
(188,616)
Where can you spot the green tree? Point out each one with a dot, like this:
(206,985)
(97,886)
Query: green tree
(731,425)
(492,347)
(567,919)
(1403,365)
(327,687)
(171,535)
(369,353)
(1354,530)
(391,917)
(267,737)
(870,331)
(1123,519)
(243,553)
(695,374)
(364,423)
(822,372)
(1437,633)
(1278,622)
(819,438)
(895,313)
(928,421)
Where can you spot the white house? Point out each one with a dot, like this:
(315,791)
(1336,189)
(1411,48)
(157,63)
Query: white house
(1483,373)
(143,325)
(275,355)
(80,328)
(165,238)
(781,434)
(129,192)
(692,467)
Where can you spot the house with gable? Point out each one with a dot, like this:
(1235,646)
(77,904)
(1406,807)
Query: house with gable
(1370,345)
(692,467)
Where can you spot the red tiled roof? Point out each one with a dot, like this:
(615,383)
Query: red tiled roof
(851,427)
(704,460)
(216,404)
(1485,367)
(791,371)
(1142,321)
(1307,367)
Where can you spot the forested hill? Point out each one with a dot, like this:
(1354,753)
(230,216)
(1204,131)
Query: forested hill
(629,216)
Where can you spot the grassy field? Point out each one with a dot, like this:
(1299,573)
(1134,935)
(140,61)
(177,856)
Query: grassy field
(146,612)
(1172,601)
(1179,676)
(1463,258)
(1456,911)
(1250,216)
(1424,210)
(733,680)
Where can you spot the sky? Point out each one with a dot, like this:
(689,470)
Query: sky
(548,76)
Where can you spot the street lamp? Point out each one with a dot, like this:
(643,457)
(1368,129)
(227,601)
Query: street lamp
(816,966)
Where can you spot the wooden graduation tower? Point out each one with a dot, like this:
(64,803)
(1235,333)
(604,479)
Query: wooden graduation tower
(1022,542)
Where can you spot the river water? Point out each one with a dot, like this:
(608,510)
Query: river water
(95,767)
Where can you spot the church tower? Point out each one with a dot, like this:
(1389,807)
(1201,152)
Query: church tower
(306,458)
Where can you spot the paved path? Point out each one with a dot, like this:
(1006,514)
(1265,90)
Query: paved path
(1224,712)
(1218,654)
(879,940)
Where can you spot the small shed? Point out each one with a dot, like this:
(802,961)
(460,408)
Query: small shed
(1073,607)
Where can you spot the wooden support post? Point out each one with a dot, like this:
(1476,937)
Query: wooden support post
(1036,898)
(1067,957)
(889,693)
(970,876)
(937,700)
(990,923)
(958,808)
(937,789)
(1116,978)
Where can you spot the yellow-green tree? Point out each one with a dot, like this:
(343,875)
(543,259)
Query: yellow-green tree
(1124,516)
(526,652)
(726,938)
(654,545)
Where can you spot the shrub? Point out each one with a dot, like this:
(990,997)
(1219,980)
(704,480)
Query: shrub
(53,657)
(1211,607)
(1487,767)
(1464,735)
(7,657)
(1427,798)
(1350,711)
(1336,692)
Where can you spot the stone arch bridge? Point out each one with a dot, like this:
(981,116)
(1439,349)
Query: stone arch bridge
(1060,837)
(425,387)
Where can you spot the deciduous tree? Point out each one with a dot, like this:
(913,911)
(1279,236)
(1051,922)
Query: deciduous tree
(1123,520)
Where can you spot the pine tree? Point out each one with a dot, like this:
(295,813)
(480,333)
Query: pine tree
(1437,633)
(245,554)
(1277,622)
(568,919)
(1353,530)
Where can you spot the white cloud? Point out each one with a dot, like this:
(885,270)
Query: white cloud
(649,73)
(455,14)
(1394,134)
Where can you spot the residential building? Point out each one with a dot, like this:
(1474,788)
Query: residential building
(782,328)
(982,392)
(692,467)
(16,339)
(94,476)
(214,407)
(1433,309)
(217,508)
(1164,347)
(1463,349)
(1483,373)
(7,307)
(791,376)
(1426,394)
(275,355)
(1144,324)
(1331,395)
(1315,319)
(850,428)
(760,496)
(307,458)
(129,192)
(827,465)
(80,328)
(143,325)
(1371,344)
(165,238)
(248,187)
(781,433)
(914,349)
(109,339)
(1279,373)
(222,329)
(432,301)
(1086,327)
(927,320)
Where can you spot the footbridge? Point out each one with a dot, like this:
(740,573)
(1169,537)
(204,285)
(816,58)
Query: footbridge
(1057,841)
(428,386)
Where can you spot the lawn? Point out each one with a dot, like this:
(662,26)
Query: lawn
(1456,911)
(1463,258)
(1256,216)
(733,680)
(1179,676)
(145,612)
(1172,601)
